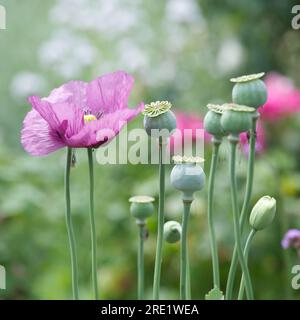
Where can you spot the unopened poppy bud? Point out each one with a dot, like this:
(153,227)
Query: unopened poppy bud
(236,118)
(172,231)
(263,213)
(158,116)
(187,176)
(141,207)
(212,121)
(249,90)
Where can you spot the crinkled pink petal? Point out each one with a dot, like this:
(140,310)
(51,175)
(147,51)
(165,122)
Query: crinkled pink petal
(45,109)
(60,112)
(73,92)
(37,137)
(69,112)
(107,127)
(110,92)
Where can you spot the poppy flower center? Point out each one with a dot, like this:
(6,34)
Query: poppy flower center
(88,118)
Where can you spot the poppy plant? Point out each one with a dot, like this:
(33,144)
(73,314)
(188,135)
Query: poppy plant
(73,116)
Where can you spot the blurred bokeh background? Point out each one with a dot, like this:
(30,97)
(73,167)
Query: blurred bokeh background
(184,51)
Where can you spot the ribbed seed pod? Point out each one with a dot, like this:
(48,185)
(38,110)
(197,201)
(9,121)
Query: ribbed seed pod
(141,207)
(249,90)
(212,121)
(187,176)
(236,118)
(158,116)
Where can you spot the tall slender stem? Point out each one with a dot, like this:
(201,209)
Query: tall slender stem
(70,230)
(188,280)
(212,235)
(245,208)
(237,232)
(140,262)
(246,254)
(92,224)
(285,254)
(184,252)
(160,226)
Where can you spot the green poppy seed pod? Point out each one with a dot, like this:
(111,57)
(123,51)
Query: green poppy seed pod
(236,118)
(187,176)
(212,121)
(172,231)
(263,213)
(141,207)
(159,117)
(249,90)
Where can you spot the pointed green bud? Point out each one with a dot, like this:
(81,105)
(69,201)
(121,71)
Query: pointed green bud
(263,213)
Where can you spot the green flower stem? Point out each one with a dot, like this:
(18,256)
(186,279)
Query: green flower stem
(184,252)
(160,226)
(245,208)
(92,224)
(70,230)
(246,254)
(212,235)
(188,281)
(285,254)
(237,232)
(140,262)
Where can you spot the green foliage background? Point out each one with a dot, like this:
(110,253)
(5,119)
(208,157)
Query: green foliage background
(185,60)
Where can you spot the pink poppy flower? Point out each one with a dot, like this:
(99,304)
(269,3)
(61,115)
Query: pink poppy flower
(283,98)
(260,145)
(74,114)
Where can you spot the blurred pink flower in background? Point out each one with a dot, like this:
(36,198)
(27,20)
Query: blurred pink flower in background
(283,98)
(190,121)
(193,122)
(187,121)
(260,145)
(291,239)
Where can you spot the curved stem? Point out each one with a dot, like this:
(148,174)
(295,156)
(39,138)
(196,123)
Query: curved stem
(160,226)
(140,263)
(92,224)
(212,235)
(70,230)
(184,252)
(246,254)
(237,231)
(245,208)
